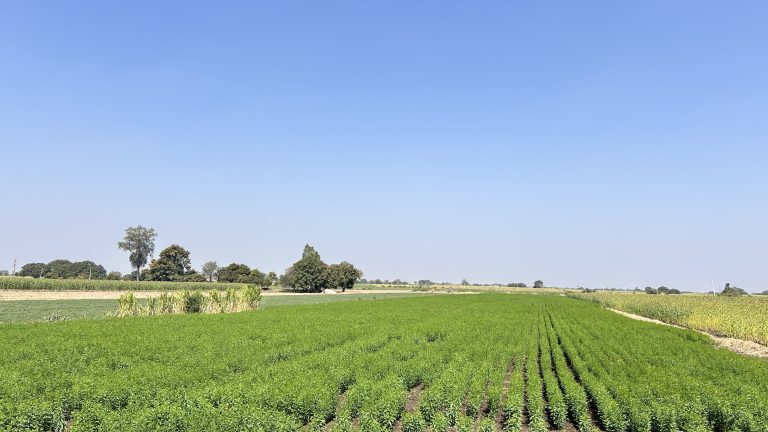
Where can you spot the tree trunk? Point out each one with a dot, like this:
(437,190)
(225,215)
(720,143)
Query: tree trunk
(138,272)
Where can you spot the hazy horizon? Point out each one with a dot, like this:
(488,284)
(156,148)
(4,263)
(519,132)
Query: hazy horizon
(598,144)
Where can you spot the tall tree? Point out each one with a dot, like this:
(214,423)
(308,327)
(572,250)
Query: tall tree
(172,264)
(209,270)
(140,243)
(308,273)
(342,275)
(538,284)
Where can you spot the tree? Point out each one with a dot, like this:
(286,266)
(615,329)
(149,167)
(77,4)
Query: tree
(233,273)
(464,282)
(662,290)
(650,290)
(173,264)
(538,284)
(209,270)
(308,273)
(4,272)
(270,279)
(140,243)
(342,275)
(114,275)
(733,291)
(32,270)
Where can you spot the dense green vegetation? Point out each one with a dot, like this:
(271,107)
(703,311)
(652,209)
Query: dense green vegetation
(743,317)
(353,366)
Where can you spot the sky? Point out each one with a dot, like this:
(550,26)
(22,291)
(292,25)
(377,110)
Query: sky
(592,143)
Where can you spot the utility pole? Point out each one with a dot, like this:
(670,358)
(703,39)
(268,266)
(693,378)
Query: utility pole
(14,267)
(713,287)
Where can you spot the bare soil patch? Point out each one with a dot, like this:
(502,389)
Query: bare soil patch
(738,346)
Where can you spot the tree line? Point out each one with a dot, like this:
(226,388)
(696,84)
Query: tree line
(308,274)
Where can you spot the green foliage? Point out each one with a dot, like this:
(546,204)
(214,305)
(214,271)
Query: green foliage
(140,243)
(486,425)
(64,269)
(733,291)
(341,276)
(173,264)
(234,273)
(413,422)
(538,284)
(308,273)
(209,270)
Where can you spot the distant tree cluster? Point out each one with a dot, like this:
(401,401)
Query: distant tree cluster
(243,274)
(64,269)
(661,290)
(311,274)
(732,291)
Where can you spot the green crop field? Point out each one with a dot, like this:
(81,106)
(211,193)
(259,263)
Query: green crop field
(476,362)
(40,310)
(744,317)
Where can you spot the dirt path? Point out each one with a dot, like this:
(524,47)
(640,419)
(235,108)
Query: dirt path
(111,295)
(738,346)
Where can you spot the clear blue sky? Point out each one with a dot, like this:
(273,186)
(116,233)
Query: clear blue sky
(593,143)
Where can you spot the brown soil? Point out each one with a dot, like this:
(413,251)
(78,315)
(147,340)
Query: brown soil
(504,393)
(410,405)
(738,346)
(340,401)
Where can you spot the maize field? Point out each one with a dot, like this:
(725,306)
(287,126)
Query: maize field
(45,284)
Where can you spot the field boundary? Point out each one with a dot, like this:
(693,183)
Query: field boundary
(739,346)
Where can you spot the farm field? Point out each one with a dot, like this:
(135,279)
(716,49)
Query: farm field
(744,317)
(45,284)
(480,362)
(39,310)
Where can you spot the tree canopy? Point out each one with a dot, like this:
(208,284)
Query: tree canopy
(173,264)
(342,275)
(64,269)
(209,270)
(733,291)
(311,274)
(140,243)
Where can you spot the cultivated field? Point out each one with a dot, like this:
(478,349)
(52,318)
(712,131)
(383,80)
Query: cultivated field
(480,362)
(45,284)
(744,317)
(67,308)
